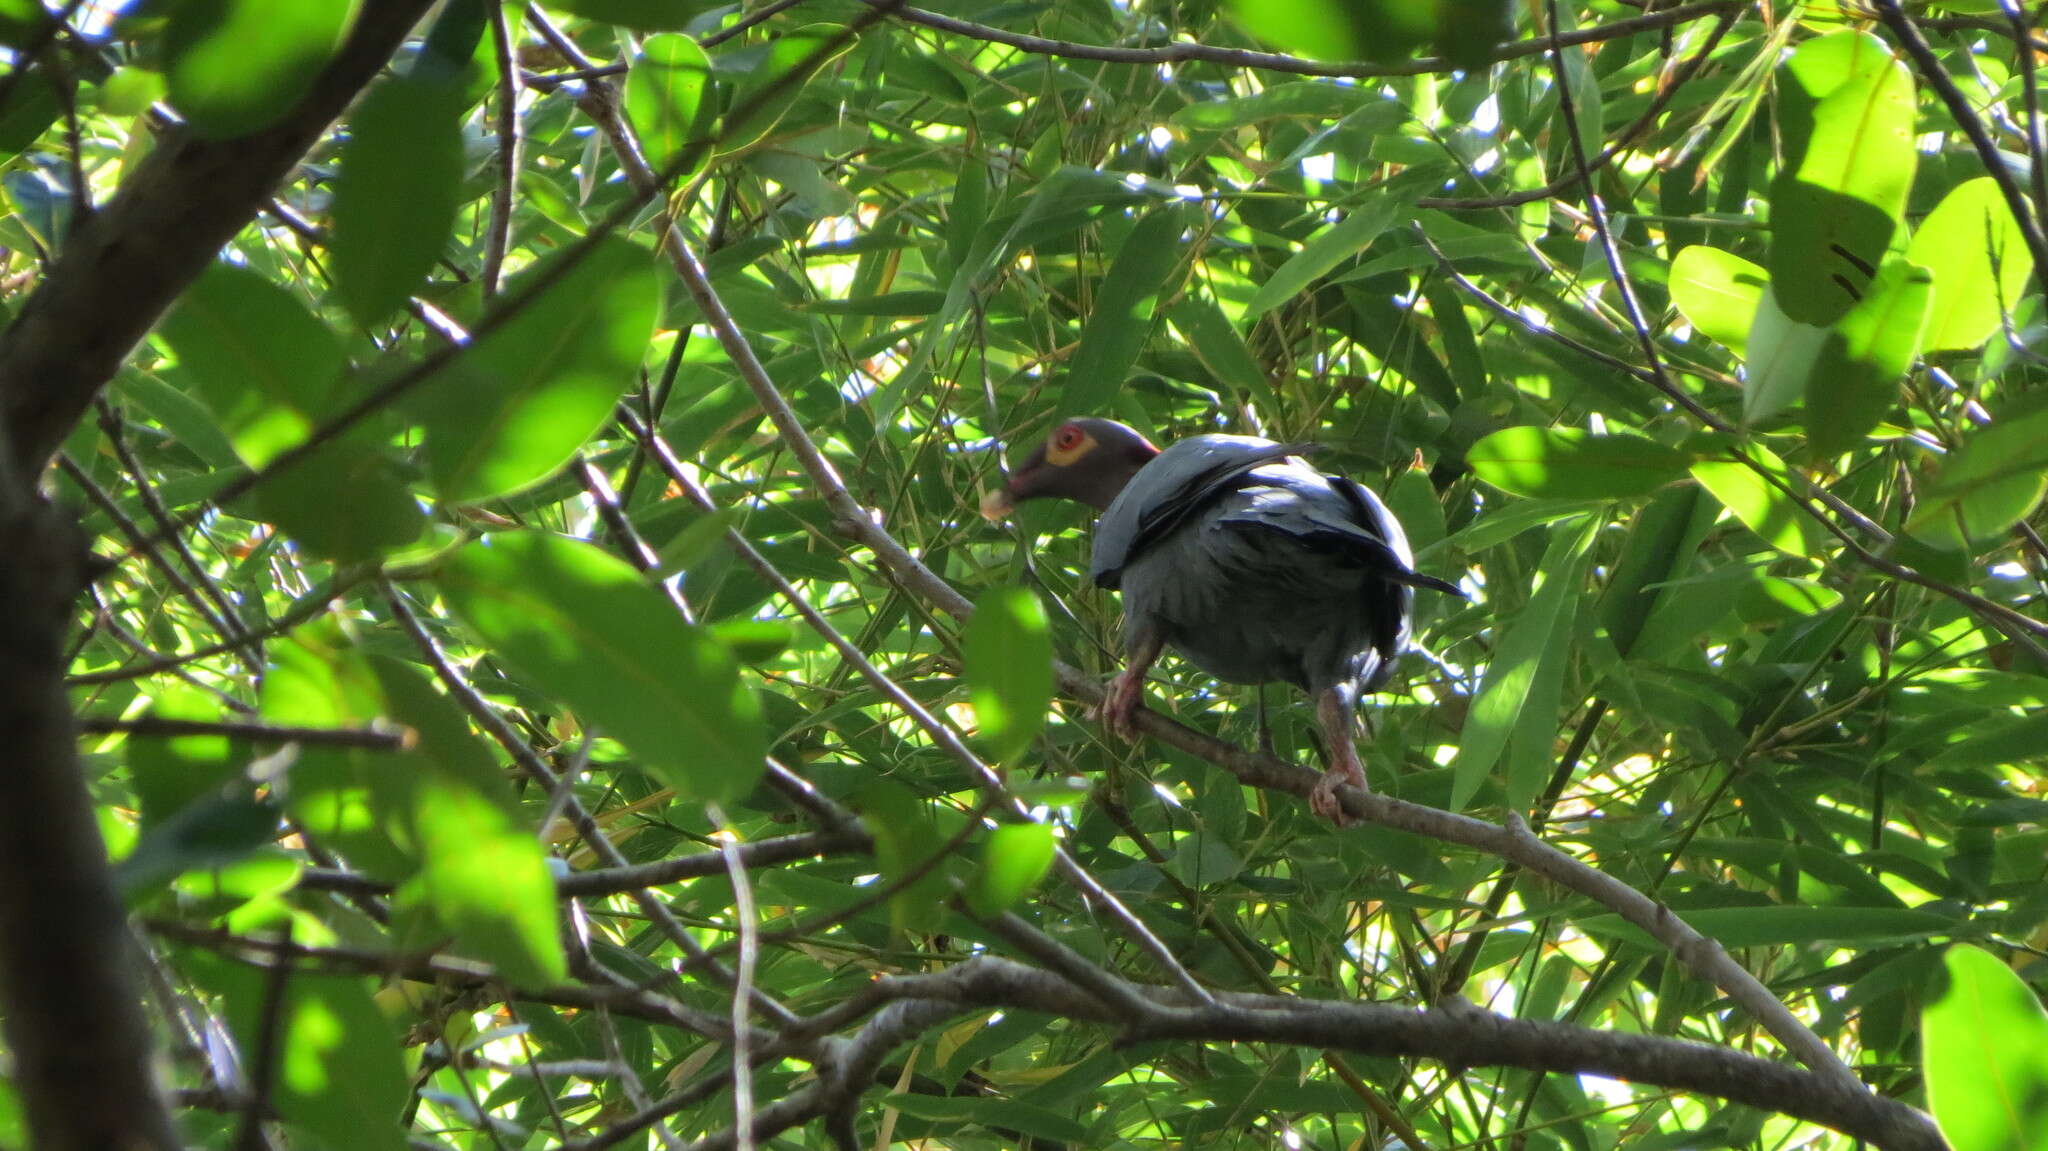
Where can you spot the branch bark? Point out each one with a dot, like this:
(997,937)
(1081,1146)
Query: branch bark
(68,1000)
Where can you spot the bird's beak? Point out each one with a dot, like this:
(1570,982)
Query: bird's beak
(997,505)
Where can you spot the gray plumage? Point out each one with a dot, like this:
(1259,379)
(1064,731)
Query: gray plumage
(1238,554)
(1259,568)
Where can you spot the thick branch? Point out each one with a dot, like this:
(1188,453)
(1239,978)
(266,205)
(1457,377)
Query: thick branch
(125,265)
(71,1010)
(1460,1036)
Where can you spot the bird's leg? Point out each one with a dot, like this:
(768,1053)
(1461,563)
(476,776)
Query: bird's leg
(1265,729)
(1333,712)
(1120,701)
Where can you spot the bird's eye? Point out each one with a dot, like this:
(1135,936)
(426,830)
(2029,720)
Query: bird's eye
(1067,438)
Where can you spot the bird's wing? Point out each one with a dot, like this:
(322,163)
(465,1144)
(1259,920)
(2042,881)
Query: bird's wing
(1336,514)
(1180,481)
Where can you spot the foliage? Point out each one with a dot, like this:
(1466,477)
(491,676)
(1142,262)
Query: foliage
(492,682)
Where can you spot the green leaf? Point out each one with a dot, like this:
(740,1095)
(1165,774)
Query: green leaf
(1318,29)
(270,370)
(1835,212)
(1216,342)
(524,397)
(1310,100)
(1771,599)
(643,15)
(130,91)
(1973,248)
(1984,1042)
(379,516)
(774,82)
(1718,293)
(1781,353)
(1328,248)
(264,364)
(1762,506)
(1855,379)
(234,66)
(351,800)
(170,774)
(1125,308)
(1014,858)
(993,1112)
(1788,925)
(907,841)
(1661,544)
(1573,464)
(1512,671)
(215,831)
(666,90)
(913,303)
(482,873)
(396,194)
(1993,480)
(588,629)
(188,421)
(1008,657)
(338,1072)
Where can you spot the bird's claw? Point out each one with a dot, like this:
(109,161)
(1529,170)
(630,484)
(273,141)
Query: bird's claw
(1324,801)
(1119,708)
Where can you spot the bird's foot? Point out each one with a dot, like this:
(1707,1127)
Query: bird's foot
(1118,710)
(1323,799)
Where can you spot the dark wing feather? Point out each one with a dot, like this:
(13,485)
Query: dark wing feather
(1386,561)
(1163,494)
(1204,487)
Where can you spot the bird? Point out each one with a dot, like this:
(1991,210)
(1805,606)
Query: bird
(1237,553)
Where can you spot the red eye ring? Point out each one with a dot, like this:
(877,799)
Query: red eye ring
(1067,438)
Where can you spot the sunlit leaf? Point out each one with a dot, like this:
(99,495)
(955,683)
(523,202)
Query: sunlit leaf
(1008,655)
(1782,352)
(1512,671)
(667,92)
(1984,1038)
(1994,480)
(1855,379)
(646,15)
(776,79)
(1718,293)
(1570,463)
(234,66)
(482,873)
(1759,493)
(590,629)
(1834,212)
(1014,858)
(338,1071)
(527,395)
(1972,247)
(263,362)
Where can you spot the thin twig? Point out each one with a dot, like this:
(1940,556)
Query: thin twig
(1182,52)
(374,739)
(498,232)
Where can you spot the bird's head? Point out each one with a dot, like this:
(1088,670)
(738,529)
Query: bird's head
(1089,460)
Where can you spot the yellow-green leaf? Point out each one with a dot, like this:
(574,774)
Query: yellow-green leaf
(1008,655)
(1984,1042)
(587,628)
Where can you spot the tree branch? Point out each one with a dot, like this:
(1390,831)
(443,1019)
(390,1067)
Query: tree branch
(122,269)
